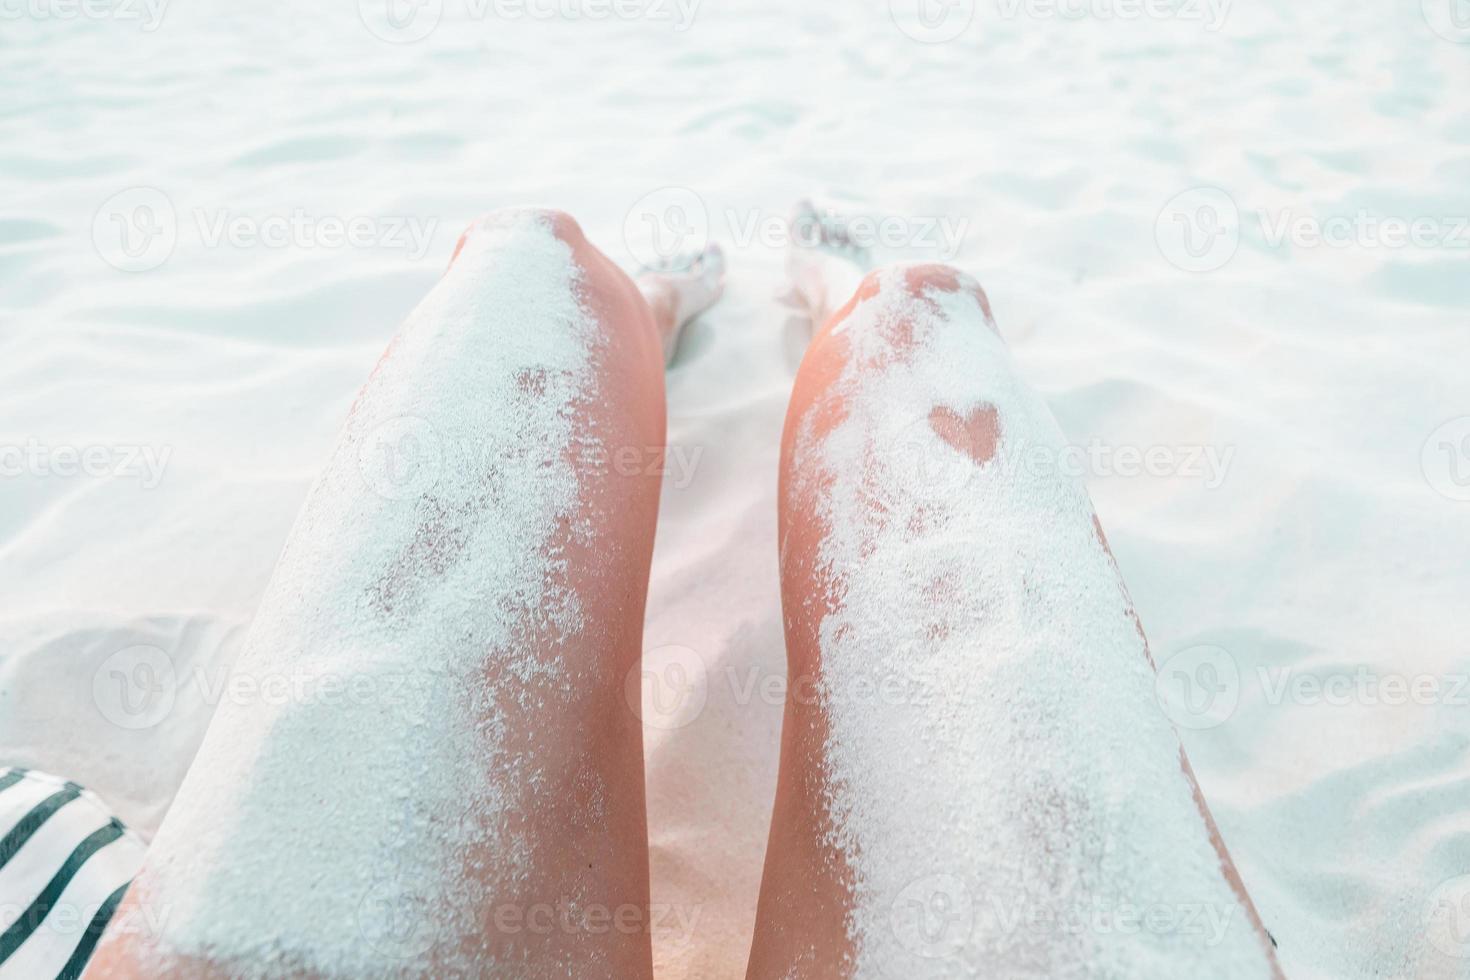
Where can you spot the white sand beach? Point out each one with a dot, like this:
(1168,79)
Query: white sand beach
(1228,242)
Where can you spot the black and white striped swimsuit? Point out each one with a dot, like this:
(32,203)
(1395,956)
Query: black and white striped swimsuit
(65,862)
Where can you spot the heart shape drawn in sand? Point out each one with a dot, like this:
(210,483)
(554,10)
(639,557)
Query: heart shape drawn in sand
(976,435)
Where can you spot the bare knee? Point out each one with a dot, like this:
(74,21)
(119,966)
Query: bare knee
(525,220)
(562,224)
(927,281)
(917,289)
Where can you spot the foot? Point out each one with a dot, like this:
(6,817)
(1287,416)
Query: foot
(682,288)
(825,263)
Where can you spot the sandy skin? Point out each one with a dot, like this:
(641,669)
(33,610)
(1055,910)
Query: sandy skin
(595,764)
(809,894)
(577,894)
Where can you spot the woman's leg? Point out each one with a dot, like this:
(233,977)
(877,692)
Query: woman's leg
(424,764)
(982,784)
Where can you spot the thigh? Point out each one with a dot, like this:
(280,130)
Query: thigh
(423,765)
(980,783)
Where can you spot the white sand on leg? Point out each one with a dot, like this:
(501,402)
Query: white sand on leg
(336,822)
(1057,142)
(1002,785)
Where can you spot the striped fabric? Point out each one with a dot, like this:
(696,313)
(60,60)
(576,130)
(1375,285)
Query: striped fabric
(65,862)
